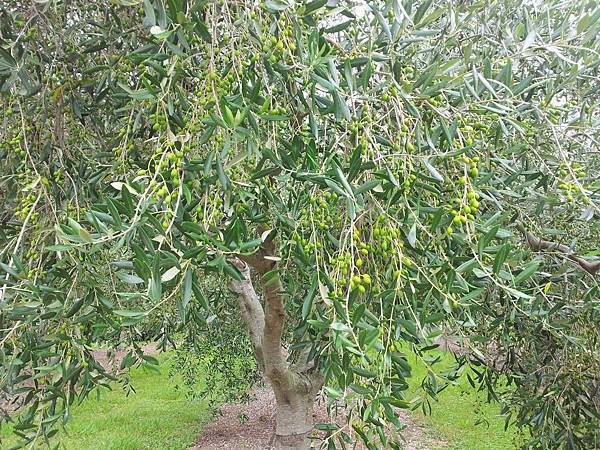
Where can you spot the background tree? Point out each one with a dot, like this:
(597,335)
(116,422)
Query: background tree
(385,172)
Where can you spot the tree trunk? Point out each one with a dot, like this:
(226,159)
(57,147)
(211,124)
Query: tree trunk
(293,420)
(295,387)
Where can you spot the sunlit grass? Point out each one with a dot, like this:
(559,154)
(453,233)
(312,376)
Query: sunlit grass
(462,417)
(155,417)
(158,416)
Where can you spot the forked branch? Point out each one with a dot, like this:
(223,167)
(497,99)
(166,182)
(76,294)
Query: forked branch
(539,244)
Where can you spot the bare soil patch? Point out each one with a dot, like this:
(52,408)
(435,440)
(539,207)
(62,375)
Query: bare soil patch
(255,430)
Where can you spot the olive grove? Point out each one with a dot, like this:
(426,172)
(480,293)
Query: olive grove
(364,177)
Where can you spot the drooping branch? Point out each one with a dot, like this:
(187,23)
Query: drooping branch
(251,310)
(539,244)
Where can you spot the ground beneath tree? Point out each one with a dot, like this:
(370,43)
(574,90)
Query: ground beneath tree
(250,426)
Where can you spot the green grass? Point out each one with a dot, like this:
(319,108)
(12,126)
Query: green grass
(455,415)
(159,417)
(155,417)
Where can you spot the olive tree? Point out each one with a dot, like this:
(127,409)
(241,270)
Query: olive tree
(365,176)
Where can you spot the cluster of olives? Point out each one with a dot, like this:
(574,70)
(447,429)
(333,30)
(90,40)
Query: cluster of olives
(15,144)
(345,262)
(554,115)
(436,101)
(322,212)
(25,199)
(396,345)
(469,132)
(403,271)
(391,92)
(355,126)
(358,124)
(171,163)
(163,193)
(408,180)
(406,137)
(275,49)
(34,271)
(30,35)
(275,110)
(381,243)
(408,72)
(358,281)
(570,188)
(32,253)
(159,121)
(463,211)
(72,210)
(383,239)
(58,177)
(194,125)
(365,149)
(404,128)
(121,150)
(576,167)
(307,246)
(216,202)
(24,207)
(223,86)
(472,162)
(171,174)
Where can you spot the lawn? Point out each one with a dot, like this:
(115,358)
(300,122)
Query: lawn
(156,417)
(159,417)
(454,417)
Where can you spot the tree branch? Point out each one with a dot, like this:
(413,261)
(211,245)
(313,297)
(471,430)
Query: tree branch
(283,377)
(539,244)
(275,357)
(251,310)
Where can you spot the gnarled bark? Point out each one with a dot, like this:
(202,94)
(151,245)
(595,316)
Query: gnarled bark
(295,388)
(251,311)
(294,419)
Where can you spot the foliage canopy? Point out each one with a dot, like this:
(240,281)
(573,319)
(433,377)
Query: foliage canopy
(396,162)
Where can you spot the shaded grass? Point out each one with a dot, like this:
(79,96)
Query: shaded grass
(155,417)
(462,416)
